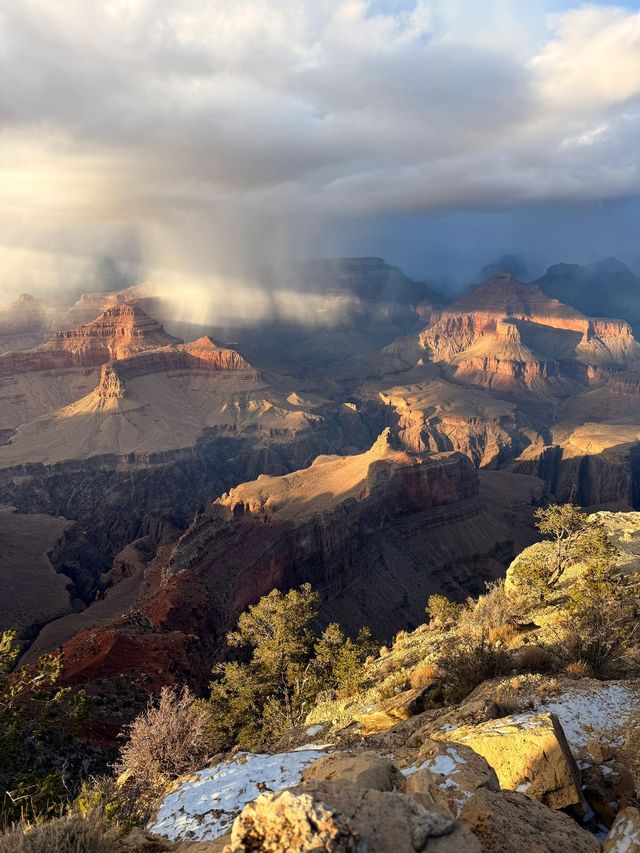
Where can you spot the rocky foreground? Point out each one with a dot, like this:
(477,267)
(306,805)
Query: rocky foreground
(542,758)
(561,775)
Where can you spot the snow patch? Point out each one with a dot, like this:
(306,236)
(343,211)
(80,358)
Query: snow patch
(605,709)
(204,807)
(441,765)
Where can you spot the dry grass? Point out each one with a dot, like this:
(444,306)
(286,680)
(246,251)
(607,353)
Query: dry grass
(503,635)
(578,669)
(549,687)
(424,674)
(167,740)
(391,686)
(400,639)
(69,834)
(466,663)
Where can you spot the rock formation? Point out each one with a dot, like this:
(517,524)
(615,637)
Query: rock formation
(28,322)
(118,333)
(603,289)
(514,378)
(333,524)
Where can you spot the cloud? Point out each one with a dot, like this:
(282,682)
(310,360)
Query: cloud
(226,130)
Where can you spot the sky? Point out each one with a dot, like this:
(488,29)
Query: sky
(206,140)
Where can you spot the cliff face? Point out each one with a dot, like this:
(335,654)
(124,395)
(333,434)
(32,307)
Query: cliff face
(315,525)
(305,526)
(200,355)
(604,289)
(513,337)
(28,322)
(584,472)
(118,333)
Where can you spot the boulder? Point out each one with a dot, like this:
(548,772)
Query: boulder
(391,711)
(288,821)
(625,833)
(455,772)
(608,788)
(529,754)
(362,769)
(422,786)
(337,816)
(509,822)
(468,714)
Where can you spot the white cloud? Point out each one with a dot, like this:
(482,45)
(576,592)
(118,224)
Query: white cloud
(215,127)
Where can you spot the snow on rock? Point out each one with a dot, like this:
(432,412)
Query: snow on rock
(594,712)
(204,806)
(451,773)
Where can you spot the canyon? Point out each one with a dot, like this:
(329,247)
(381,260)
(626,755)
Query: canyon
(389,446)
(374,533)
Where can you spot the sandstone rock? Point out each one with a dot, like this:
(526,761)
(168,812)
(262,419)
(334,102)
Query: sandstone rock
(608,788)
(529,754)
(422,786)
(119,332)
(288,821)
(509,822)
(625,833)
(456,772)
(597,751)
(363,769)
(336,816)
(468,714)
(389,712)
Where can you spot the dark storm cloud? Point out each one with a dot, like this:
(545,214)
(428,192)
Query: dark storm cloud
(243,130)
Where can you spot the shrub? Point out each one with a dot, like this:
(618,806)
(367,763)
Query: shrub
(442,611)
(338,660)
(572,538)
(534,659)
(255,701)
(494,610)
(389,666)
(502,635)
(468,662)
(394,684)
(69,834)
(39,765)
(424,674)
(601,622)
(165,741)
(400,640)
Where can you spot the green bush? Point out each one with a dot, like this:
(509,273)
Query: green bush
(601,622)
(255,701)
(39,760)
(572,538)
(442,611)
